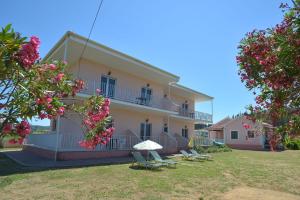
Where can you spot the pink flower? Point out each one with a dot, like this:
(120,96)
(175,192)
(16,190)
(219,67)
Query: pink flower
(49,106)
(7,128)
(23,128)
(59,77)
(49,99)
(42,115)
(98,91)
(105,108)
(61,110)
(12,141)
(35,41)
(106,102)
(39,101)
(52,67)
(246,126)
(28,53)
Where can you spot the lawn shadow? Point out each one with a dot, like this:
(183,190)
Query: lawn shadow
(9,166)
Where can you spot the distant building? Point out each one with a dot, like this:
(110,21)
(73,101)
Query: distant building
(233,133)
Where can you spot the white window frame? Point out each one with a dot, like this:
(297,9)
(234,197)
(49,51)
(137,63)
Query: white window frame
(107,84)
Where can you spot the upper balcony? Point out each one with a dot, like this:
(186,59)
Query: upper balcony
(196,115)
(143,97)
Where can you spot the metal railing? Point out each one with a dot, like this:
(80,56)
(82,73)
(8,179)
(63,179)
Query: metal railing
(196,115)
(129,95)
(70,142)
(202,141)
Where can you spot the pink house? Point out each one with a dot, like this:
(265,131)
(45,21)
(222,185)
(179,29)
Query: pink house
(232,132)
(146,103)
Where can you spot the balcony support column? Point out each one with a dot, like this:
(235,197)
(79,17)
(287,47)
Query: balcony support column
(212,110)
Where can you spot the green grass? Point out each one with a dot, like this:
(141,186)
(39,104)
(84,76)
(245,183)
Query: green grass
(278,171)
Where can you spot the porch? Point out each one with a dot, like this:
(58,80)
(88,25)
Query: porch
(66,146)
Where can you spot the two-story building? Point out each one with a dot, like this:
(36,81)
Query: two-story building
(146,103)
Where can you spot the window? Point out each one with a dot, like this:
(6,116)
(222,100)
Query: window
(108,86)
(250,134)
(165,129)
(185,106)
(185,132)
(234,135)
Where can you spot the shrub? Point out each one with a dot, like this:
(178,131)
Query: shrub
(212,149)
(293,144)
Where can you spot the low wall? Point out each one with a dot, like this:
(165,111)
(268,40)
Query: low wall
(81,155)
(246,147)
(5,144)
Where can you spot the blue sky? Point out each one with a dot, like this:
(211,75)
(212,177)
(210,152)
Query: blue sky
(194,39)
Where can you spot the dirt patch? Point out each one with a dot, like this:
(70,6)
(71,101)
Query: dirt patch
(248,193)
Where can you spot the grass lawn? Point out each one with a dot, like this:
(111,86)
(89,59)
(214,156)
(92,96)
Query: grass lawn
(239,171)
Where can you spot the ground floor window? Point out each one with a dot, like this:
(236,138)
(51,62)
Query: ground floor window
(250,134)
(165,128)
(185,132)
(234,135)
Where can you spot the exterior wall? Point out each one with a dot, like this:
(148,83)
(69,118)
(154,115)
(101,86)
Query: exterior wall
(243,140)
(180,100)
(216,135)
(176,127)
(124,81)
(124,119)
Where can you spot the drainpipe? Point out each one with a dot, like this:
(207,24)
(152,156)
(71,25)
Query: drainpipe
(57,137)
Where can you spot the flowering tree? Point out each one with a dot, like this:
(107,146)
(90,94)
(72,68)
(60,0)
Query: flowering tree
(269,63)
(31,88)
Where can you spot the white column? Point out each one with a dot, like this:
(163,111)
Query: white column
(57,137)
(212,109)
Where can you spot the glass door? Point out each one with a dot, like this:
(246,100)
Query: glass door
(108,85)
(145,131)
(146,95)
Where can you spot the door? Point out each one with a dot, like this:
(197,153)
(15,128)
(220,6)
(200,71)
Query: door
(185,109)
(146,95)
(145,131)
(108,85)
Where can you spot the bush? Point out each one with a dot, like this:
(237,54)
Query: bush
(212,149)
(293,144)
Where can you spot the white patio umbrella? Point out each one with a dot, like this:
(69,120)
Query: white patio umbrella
(147,145)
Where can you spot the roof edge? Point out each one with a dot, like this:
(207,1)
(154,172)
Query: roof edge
(192,91)
(72,34)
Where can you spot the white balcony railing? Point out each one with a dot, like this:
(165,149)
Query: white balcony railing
(196,115)
(135,96)
(130,95)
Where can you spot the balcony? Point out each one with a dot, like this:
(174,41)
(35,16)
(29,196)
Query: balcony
(129,95)
(196,115)
(144,98)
